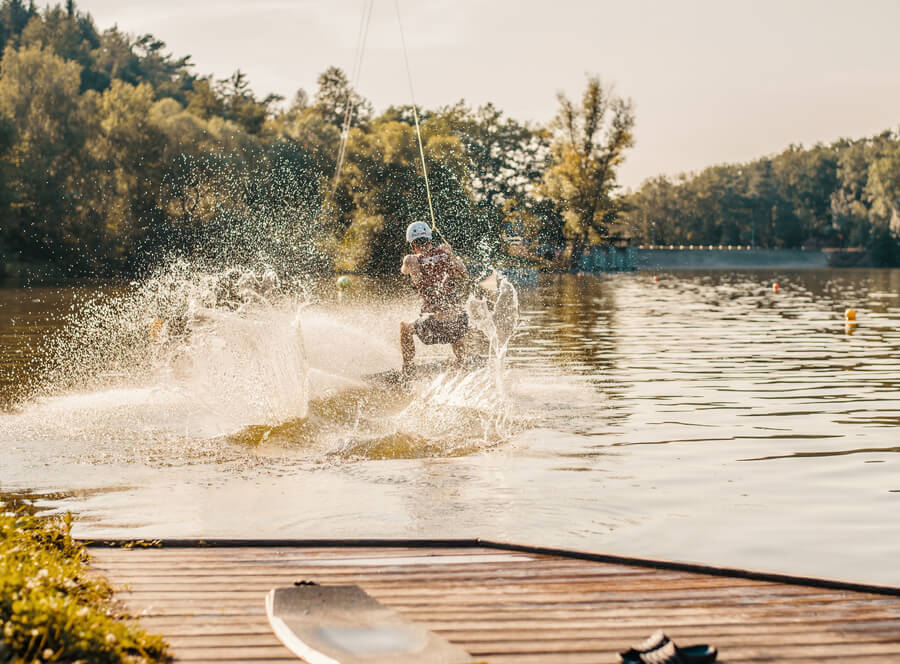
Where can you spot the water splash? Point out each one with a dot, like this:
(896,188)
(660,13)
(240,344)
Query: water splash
(199,365)
(473,400)
(185,354)
(457,412)
(498,322)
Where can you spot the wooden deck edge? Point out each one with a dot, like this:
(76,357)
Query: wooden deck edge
(450,543)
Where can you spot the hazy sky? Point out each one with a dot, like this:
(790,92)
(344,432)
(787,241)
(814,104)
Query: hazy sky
(712,80)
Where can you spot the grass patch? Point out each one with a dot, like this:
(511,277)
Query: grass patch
(52,609)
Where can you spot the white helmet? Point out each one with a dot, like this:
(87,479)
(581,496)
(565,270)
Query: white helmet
(417,230)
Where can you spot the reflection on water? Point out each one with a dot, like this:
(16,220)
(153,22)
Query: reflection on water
(701,417)
(34,502)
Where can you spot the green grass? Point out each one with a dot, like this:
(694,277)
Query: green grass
(52,609)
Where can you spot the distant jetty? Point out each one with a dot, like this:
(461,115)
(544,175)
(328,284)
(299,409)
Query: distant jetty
(721,257)
(624,258)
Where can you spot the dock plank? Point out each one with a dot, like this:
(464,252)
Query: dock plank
(501,606)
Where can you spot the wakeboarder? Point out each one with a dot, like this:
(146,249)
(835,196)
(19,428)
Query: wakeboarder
(439,276)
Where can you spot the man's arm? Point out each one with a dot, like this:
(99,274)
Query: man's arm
(411,267)
(460,266)
(455,261)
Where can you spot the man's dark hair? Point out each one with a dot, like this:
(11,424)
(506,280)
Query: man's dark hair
(420,242)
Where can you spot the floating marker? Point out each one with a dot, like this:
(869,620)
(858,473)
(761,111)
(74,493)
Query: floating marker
(344,282)
(850,314)
(776,287)
(655,279)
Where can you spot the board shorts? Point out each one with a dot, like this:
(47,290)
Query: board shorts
(432,331)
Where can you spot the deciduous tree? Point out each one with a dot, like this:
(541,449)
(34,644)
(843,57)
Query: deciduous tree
(590,140)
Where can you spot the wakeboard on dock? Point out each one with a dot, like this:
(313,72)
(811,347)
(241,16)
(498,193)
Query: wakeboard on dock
(344,625)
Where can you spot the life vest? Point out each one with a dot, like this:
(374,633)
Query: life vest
(439,286)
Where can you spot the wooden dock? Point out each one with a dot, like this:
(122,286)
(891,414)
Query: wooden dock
(503,603)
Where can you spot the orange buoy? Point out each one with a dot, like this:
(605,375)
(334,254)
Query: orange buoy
(850,327)
(850,314)
(655,279)
(776,287)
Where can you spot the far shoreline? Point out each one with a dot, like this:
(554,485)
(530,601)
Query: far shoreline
(643,258)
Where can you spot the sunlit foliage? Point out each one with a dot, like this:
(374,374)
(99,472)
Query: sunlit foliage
(589,144)
(52,608)
(846,194)
(115,156)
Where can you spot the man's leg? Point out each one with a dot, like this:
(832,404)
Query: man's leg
(461,346)
(407,344)
(459,350)
(462,349)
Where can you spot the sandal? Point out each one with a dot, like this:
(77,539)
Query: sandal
(659,649)
(654,642)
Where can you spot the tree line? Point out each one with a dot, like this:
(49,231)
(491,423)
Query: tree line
(115,155)
(845,194)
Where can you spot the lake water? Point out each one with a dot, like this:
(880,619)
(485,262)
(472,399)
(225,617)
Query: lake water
(703,417)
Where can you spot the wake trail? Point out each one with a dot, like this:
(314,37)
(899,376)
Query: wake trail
(181,365)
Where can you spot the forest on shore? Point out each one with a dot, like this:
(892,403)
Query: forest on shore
(115,155)
(846,194)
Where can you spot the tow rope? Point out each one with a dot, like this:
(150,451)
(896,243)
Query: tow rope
(412,96)
(361,39)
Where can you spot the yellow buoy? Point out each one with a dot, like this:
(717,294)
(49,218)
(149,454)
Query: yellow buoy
(850,314)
